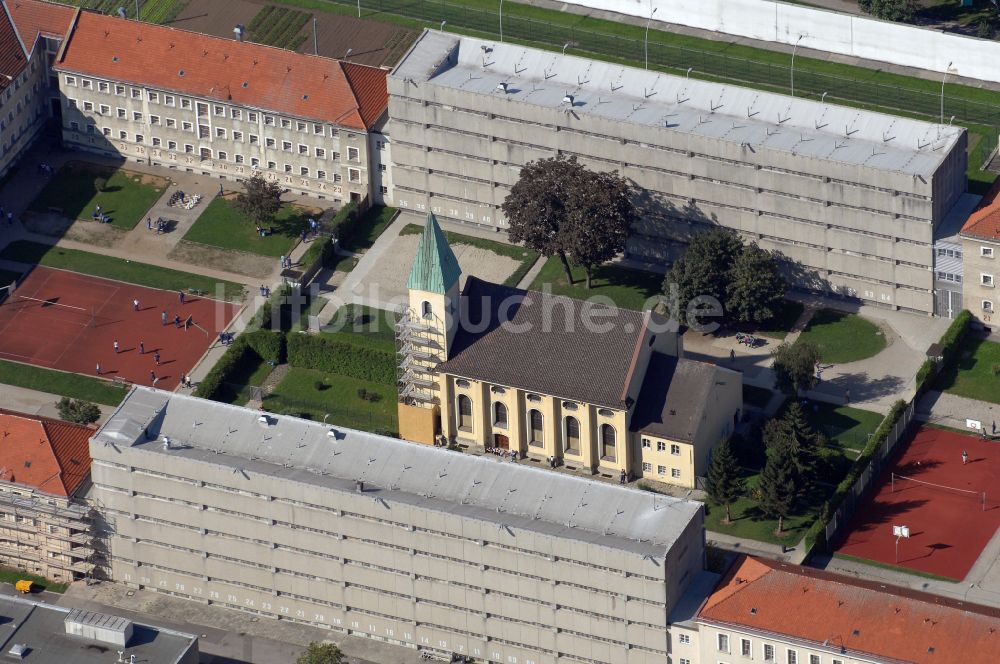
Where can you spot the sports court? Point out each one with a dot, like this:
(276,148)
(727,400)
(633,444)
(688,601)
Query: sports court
(951,508)
(68,321)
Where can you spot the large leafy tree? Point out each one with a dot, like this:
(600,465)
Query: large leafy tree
(889,10)
(724,483)
(78,411)
(756,287)
(780,482)
(560,208)
(705,267)
(321,653)
(600,214)
(795,366)
(260,200)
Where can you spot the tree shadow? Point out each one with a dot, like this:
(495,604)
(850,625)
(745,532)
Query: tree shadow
(876,514)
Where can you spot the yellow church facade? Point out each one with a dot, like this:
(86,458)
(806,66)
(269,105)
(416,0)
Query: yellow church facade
(556,380)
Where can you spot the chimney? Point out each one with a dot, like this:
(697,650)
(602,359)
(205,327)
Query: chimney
(360,486)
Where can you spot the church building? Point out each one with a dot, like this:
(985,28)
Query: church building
(566,382)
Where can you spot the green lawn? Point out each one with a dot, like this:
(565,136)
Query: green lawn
(237,390)
(297,395)
(845,427)
(125,198)
(120,269)
(220,225)
(526,257)
(364,326)
(779,326)
(371,225)
(756,396)
(749,522)
(627,288)
(843,337)
(12,576)
(972,374)
(61,383)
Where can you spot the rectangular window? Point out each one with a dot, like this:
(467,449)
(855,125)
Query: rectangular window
(87,84)
(384,189)
(71,80)
(768,652)
(185,103)
(685,661)
(219,110)
(269,142)
(335,156)
(255,162)
(986,252)
(269,120)
(120,90)
(136,93)
(237,135)
(301,126)
(336,177)
(154,119)
(286,146)
(106,131)
(723,642)
(814,659)
(304,171)
(103,87)
(75,126)
(661,470)
(286,123)
(646,443)
(334,133)
(138,138)
(251,116)
(988,305)
(168,100)
(136,116)
(793,657)
(254,139)
(318,129)
(986,280)
(154,97)
(238,158)
(105,110)
(188,148)
(222,155)
(121,112)
(321,175)
(675,472)
(235,113)
(272,165)
(660,446)
(303,149)
(381,168)
(288,168)
(647,467)
(123,135)
(71,103)
(156,142)
(675,449)
(187,126)
(380,145)
(684,639)
(354,175)
(171,145)
(87,106)
(220,132)
(171,123)
(353,154)
(745,648)
(320,153)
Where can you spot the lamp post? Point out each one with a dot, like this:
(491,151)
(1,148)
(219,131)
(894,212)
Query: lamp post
(646,39)
(359,8)
(442,25)
(793,62)
(946,72)
(501,21)
(137,10)
(567,45)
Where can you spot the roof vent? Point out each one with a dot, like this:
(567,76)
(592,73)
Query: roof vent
(332,433)
(114,58)
(18,650)
(931,650)
(305,97)
(568,99)
(856,632)
(180,73)
(166,442)
(502,87)
(266,421)
(753,610)
(246,84)
(360,486)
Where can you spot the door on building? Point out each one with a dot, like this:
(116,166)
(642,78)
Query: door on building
(501,441)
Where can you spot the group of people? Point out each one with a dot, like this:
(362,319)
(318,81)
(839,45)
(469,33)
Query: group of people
(161,224)
(226,338)
(286,262)
(265,291)
(264,232)
(502,453)
(98,215)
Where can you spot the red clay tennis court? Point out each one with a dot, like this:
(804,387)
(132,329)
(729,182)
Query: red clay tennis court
(951,508)
(68,321)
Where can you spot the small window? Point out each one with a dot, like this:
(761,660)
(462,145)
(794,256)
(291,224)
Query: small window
(237,135)
(139,138)
(572,435)
(220,132)
(171,145)
(185,103)
(238,158)
(499,415)
(254,161)
(986,280)
(354,175)
(320,153)
(384,189)
(569,405)
(288,168)
(321,175)
(647,467)
(88,106)
(103,87)
(154,119)
(381,168)
(269,120)
(536,434)
(461,382)
(793,657)
(768,652)
(675,449)
(661,470)
(188,148)
(187,126)
(71,80)
(87,84)
(123,135)
(168,100)
(334,133)
(156,142)
(222,155)
(153,97)
(269,142)
(75,126)
(425,310)
(106,131)
(646,443)
(286,146)
(380,145)
(988,306)
(235,113)
(661,446)
(318,129)
(814,659)
(464,413)
(303,171)
(675,473)
(120,90)
(136,93)
(534,398)
(272,165)
(353,154)
(251,116)
(301,126)
(337,177)
(105,110)
(303,149)
(723,642)
(170,122)
(986,252)
(286,123)
(219,110)
(121,112)
(746,648)
(254,139)
(684,639)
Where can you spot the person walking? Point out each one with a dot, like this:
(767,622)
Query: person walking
(153,378)
(116,347)
(142,348)
(282,261)
(156,358)
(163,317)
(177,321)
(180,296)
(965,457)
(622,477)
(98,368)
(149,223)
(135,304)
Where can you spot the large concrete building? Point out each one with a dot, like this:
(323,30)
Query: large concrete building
(438,550)
(42,633)
(851,197)
(46,526)
(588,386)
(224,108)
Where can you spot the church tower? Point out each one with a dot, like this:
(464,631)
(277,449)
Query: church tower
(425,333)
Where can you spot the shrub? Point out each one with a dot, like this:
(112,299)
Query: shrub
(268,344)
(341,357)
(78,411)
(362,393)
(234,359)
(345,223)
(953,337)
(319,386)
(925,370)
(100,184)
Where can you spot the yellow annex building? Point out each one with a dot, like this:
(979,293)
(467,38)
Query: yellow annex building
(589,386)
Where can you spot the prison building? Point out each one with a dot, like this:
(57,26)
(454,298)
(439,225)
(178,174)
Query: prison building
(30,35)
(224,108)
(851,197)
(46,526)
(425,547)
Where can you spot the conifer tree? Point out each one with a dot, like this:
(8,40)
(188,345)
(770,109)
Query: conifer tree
(780,484)
(724,483)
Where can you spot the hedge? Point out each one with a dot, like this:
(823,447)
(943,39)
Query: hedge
(345,222)
(235,358)
(951,341)
(340,357)
(262,318)
(859,465)
(268,344)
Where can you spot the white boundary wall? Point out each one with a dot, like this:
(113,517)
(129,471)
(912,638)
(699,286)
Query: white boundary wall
(823,30)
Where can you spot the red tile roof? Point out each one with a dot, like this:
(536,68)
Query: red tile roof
(33,17)
(50,455)
(984,222)
(305,86)
(882,621)
(12,56)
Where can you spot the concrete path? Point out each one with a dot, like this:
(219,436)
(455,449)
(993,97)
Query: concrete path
(529,276)
(952,411)
(791,553)
(33,402)
(144,242)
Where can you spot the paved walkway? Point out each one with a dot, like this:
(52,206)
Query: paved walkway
(33,402)
(952,411)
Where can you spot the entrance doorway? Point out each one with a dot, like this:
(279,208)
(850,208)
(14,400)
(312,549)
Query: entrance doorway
(501,441)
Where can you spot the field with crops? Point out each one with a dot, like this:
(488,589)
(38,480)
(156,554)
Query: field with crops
(279,26)
(151,11)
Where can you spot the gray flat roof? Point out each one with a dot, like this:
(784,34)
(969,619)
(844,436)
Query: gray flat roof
(749,118)
(514,495)
(40,627)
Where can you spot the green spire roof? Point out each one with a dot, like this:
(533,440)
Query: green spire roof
(435,268)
